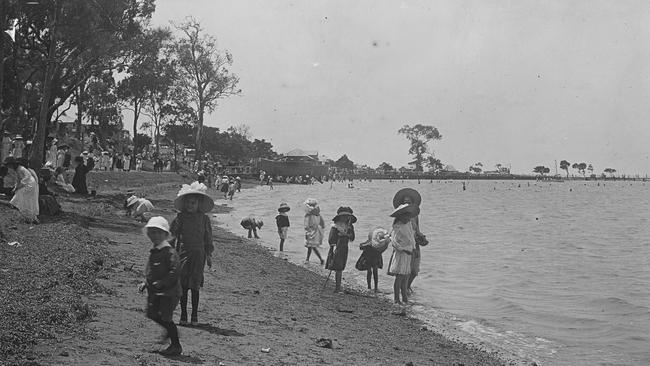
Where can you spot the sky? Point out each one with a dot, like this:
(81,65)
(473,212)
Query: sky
(520,83)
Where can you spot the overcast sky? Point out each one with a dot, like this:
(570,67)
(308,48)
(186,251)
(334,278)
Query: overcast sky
(513,82)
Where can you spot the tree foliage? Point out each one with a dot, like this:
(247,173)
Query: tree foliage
(203,73)
(419,136)
(61,44)
(541,170)
(564,165)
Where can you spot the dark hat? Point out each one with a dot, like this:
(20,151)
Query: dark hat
(345,211)
(284,207)
(414,195)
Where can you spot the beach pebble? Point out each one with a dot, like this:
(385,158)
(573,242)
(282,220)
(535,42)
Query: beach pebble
(64,354)
(266,350)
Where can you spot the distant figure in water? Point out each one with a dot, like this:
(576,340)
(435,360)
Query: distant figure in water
(282,221)
(464,186)
(314,228)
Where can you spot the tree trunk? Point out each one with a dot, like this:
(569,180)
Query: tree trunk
(80,113)
(136,115)
(199,133)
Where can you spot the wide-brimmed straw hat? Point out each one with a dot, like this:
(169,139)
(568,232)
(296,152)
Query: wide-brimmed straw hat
(131,201)
(398,199)
(284,207)
(206,204)
(375,236)
(406,209)
(158,222)
(346,212)
(18,137)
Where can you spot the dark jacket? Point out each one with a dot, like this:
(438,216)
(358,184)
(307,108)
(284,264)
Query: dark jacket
(162,272)
(282,221)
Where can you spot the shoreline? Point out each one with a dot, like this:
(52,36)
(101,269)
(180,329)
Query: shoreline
(440,322)
(252,300)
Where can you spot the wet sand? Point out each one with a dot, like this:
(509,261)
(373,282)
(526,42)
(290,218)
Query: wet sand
(256,309)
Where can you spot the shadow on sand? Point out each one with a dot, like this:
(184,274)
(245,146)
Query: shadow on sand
(214,330)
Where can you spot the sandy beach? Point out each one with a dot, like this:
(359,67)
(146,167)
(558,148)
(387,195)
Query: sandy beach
(256,309)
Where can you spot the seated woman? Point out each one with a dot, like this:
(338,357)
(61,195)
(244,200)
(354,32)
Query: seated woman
(59,180)
(47,204)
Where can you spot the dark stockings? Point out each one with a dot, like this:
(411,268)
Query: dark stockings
(172,331)
(281,245)
(373,273)
(195,305)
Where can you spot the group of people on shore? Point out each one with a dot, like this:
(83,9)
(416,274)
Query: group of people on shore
(182,249)
(405,239)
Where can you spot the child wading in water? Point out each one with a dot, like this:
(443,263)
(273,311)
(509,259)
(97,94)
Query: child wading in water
(341,233)
(162,282)
(373,248)
(282,220)
(403,242)
(192,231)
(314,228)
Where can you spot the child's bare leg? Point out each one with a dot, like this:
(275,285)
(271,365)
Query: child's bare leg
(404,288)
(250,233)
(255,232)
(396,289)
(338,276)
(410,281)
(369,278)
(375,275)
(308,254)
(281,245)
(318,255)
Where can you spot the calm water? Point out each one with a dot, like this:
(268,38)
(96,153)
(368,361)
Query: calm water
(557,272)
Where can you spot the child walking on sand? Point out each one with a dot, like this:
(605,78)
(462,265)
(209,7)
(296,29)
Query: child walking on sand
(162,282)
(341,233)
(192,231)
(403,242)
(282,221)
(314,228)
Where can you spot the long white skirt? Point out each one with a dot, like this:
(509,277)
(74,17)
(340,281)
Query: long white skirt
(26,198)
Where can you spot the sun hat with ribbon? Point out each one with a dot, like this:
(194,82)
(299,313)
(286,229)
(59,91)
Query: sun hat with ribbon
(284,207)
(206,204)
(403,193)
(406,209)
(158,222)
(346,212)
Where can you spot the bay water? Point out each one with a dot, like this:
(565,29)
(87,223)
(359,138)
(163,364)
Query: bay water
(555,272)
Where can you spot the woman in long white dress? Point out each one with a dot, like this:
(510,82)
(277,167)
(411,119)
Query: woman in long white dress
(25,197)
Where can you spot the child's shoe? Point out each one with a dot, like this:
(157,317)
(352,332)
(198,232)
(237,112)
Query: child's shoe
(172,350)
(183,320)
(195,321)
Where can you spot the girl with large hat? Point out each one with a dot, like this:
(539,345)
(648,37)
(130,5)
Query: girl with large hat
(192,232)
(314,228)
(412,197)
(403,243)
(341,233)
